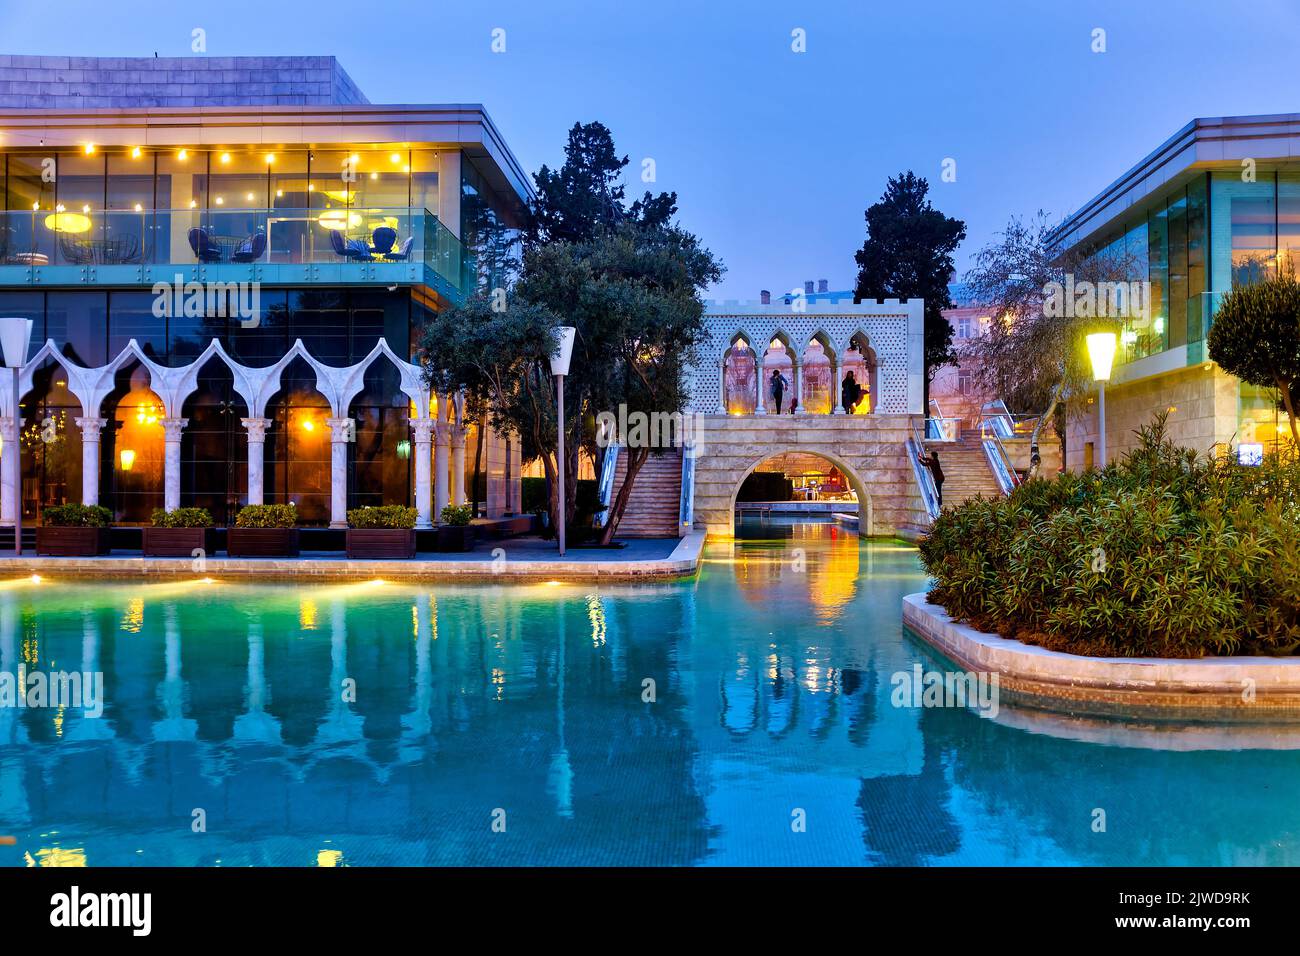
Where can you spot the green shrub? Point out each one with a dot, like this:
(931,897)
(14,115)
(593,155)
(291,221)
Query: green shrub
(532,495)
(1163,554)
(267,516)
(382,516)
(457,515)
(77,516)
(182,518)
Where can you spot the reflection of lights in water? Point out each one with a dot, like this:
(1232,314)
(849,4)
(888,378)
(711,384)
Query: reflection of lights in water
(596,615)
(31,651)
(499,682)
(58,722)
(329,858)
(307,612)
(59,856)
(133,619)
(415,621)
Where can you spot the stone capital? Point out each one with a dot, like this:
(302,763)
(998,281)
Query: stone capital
(341,429)
(442,434)
(172,428)
(256,429)
(457,436)
(423,429)
(90,427)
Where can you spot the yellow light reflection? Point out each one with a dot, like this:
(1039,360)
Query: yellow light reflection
(596,615)
(307,615)
(133,619)
(61,856)
(329,858)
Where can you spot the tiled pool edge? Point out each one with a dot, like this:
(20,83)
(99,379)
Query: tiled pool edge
(683,562)
(1230,688)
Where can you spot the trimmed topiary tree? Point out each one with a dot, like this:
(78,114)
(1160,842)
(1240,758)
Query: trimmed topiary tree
(1256,337)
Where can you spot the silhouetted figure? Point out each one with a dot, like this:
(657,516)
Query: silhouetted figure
(779,384)
(850,393)
(931,461)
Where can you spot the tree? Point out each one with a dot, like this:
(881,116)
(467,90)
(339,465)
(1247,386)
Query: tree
(1029,356)
(585,196)
(1256,337)
(908,254)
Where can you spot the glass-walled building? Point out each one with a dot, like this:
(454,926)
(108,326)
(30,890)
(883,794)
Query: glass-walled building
(1215,207)
(301,237)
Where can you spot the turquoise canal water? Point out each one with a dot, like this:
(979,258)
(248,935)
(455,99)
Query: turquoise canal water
(382,723)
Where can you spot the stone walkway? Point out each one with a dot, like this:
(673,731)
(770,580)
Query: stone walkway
(511,558)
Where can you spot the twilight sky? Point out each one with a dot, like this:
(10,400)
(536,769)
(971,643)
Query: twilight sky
(774,154)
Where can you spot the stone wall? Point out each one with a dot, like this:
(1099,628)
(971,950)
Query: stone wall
(1202,404)
(87,82)
(868,449)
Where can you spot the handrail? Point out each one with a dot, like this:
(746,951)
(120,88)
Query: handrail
(605,484)
(686,505)
(914,447)
(1003,468)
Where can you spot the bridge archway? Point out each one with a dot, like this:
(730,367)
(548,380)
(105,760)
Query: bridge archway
(850,473)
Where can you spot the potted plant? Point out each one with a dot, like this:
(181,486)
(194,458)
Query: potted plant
(455,532)
(179,533)
(264,531)
(382,531)
(74,530)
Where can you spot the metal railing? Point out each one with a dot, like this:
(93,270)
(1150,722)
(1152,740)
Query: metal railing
(1000,462)
(686,506)
(914,448)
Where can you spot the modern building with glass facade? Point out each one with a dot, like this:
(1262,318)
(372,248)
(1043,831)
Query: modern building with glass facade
(1217,205)
(227,262)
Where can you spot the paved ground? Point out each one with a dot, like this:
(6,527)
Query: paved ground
(528,557)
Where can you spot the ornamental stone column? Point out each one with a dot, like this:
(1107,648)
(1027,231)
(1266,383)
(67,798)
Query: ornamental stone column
(341,432)
(440,497)
(798,385)
(423,428)
(836,387)
(172,461)
(12,477)
(722,388)
(256,428)
(90,429)
(759,370)
(458,464)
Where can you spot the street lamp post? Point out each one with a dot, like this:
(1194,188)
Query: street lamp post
(1101,351)
(560,368)
(15,339)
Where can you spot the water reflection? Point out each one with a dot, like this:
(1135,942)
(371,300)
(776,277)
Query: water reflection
(654,724)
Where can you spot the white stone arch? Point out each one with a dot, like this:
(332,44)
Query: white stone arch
(352,380)
(266,381)
(778,334)
(729,353)
(79,378)
(831,349)
(865,518)
(186,379)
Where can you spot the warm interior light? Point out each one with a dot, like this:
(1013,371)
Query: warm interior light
(90,149)
(183,155)
(36,579)
(128,459)
(220,201)
(270,158)
(135,152)
(194,203)
(86,208)
(339,219)
(374,175)
(354,159)
(72,222)
(279,192)
(406,169)
(1101,351)
(308,425)
(60,207)
(225,158)
(36,207)
(139,208)
(248,196)
(396,158)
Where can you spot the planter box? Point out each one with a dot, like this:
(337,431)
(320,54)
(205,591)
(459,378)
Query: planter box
(178,542)
(72,542)
(262,542)
(365,543)
(455,537)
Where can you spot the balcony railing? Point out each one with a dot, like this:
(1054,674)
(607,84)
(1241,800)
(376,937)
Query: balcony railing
(70,237)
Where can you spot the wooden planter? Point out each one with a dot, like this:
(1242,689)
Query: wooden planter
(72,542)
(365,543)
(262,542)
(178,542)
(455,537)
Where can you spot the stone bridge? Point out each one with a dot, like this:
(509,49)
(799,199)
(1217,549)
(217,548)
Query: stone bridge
(868,449)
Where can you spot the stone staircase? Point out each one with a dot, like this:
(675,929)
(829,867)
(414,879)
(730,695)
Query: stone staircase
(966,469)
(656,496)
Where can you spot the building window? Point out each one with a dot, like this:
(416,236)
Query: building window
(965,383)
(963,328)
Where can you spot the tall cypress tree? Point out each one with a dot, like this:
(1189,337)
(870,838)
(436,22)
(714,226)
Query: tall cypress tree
(908,254)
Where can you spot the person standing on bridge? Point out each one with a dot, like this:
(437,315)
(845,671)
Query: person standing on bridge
(931,461)
(779,384)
